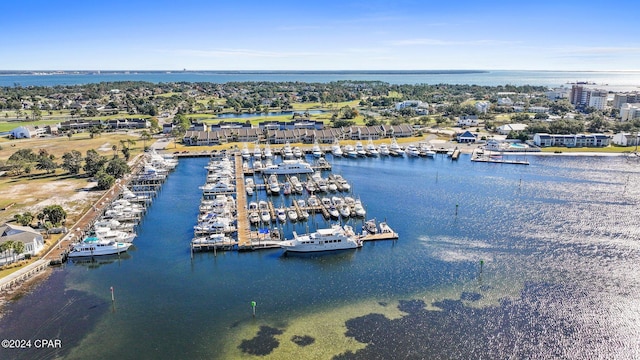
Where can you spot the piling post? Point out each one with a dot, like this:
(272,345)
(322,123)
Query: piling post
(253,308)
(456,209)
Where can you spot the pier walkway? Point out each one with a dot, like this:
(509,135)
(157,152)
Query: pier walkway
(244,233)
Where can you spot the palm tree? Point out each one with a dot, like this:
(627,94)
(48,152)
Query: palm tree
(6,246)
(144,135)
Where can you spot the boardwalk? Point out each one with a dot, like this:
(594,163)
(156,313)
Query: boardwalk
(244,233)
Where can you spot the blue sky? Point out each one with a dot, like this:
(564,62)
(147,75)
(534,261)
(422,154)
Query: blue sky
(319,35)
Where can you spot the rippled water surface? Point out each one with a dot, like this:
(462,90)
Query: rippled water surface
(493,261)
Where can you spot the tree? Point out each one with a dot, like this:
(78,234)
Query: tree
(69,134)
(117,168)
(144,136)
(24,219)
(6,246)
(105,181)
(72,161)
(94,162)
(18,248)
(45,163)
(55,214)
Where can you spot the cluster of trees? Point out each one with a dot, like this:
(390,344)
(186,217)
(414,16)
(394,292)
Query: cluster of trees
(17,247)
(52,215)
(105,170)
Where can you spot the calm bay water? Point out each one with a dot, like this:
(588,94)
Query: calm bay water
(620,80)
(558,241)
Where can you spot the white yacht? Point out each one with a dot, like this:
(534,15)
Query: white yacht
(274,185)
(267,151)
(289,167)
(335,149)
(105,233)
(350,151)
(297,152)
(316,151)
(384,150)
(333,238)
(212,239)
(426,150)
(94,246)
(287,153)
(297,185)
(360,149)
(413,150)
(257,153)
(281,214)
(395,148)
(359,209)
(371,149)
(292,214)
(245,152)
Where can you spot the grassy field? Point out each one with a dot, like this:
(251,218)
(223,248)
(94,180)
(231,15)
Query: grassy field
(30,192)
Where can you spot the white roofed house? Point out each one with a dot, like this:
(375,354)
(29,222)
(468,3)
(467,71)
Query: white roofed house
(32,240)
(507,128)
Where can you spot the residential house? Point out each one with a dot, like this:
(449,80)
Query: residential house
(507,128)
(482,106)
(466,137)
(249,134)
(626,139)
(32,240)
(505,101)
(467,120)
(167,128)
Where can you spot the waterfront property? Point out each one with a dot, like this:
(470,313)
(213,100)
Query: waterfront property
(574,140)
(32,240)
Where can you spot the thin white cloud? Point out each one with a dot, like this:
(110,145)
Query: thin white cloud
(232,53)
(438,42)
(601,50)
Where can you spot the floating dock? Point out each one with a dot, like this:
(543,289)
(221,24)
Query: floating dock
(495,158)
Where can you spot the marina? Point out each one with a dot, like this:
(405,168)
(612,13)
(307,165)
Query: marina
(435,263)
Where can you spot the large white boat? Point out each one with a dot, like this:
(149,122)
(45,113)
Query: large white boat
(333,238)
(245,152)
(360,149)
(395,148)
(257,153)
(350,151)
(94,246)
(267,151)
(413,150)
(274,185)
(289,167)
(371,149)
(335,149)
(287,152)
(384,150)
(105,233)
(316,151)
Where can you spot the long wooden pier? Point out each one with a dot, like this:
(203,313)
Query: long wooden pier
(244,233)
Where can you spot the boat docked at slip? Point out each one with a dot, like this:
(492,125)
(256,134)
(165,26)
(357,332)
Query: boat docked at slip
(93,246)
(257,152)
(394,148)
(315,150)
(371,149)
(360,149)
(267,151)
(384,150)
(350,151)
(335,149)
(287,152)
(213,239)
(331,239)
(289,167)
(245,152)
(274,185)
(106,233)
(413,151)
